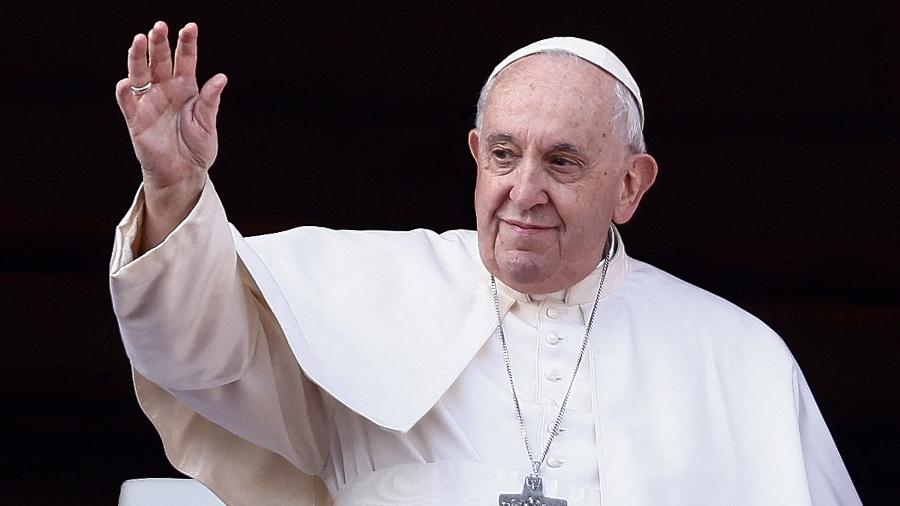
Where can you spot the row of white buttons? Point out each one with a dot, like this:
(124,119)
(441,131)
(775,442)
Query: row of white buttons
(553,338)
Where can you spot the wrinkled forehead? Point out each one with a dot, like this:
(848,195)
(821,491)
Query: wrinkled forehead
(548,101)
(552,80)
(586,50)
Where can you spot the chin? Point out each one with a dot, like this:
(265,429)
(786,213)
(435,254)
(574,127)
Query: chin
(522,272)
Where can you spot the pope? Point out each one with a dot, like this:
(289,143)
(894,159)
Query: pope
(531,361)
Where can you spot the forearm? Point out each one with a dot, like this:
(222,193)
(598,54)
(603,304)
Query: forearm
(164,209)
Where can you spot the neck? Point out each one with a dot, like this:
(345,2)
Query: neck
(581,292)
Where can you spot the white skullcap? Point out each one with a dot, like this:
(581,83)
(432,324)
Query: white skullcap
(585,49)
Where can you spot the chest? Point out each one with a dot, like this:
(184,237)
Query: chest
(544,340)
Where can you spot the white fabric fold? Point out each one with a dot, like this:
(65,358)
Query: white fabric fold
(352,323)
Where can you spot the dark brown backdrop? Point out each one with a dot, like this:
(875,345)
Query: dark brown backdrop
(775,127)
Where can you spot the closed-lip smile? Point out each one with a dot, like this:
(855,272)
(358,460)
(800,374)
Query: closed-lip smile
(525,228)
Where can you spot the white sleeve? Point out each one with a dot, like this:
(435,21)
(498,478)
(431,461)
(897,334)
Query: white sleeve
(827,478)
(212,368)
(186,319)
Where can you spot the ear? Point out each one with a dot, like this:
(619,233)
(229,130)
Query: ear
(473,144)
(639,177)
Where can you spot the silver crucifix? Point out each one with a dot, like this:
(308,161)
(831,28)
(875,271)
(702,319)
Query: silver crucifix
(532,495)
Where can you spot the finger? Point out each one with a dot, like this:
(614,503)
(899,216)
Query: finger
(160,53)
(126,100)
(186,51)
(207,107)
(138,70)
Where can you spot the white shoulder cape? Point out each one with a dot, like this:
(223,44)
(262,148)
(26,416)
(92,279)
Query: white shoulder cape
(383,321)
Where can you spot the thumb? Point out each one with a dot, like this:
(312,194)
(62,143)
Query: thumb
(207,106)
(126,100)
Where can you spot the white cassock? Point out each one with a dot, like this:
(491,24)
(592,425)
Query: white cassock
(317,366)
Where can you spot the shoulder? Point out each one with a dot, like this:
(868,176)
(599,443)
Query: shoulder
(668,293)
(694,313)
(342,253)
(366,241)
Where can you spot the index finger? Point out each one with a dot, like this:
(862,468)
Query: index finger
(186,51)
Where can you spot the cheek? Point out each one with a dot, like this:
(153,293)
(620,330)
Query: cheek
(585,221)
(489,197)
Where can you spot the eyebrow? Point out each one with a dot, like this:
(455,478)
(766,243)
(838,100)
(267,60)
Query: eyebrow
(493,138)
(565,146)
(559,146)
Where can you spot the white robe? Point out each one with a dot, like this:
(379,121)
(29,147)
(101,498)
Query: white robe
(691,399)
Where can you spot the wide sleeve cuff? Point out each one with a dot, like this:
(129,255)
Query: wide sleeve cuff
(127,233)
(185,317)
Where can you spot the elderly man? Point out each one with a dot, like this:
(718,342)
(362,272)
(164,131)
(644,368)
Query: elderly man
(532,362)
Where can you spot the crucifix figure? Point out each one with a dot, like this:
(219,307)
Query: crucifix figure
(532,495)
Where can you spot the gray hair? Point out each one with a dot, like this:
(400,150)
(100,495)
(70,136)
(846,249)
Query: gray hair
(626,115)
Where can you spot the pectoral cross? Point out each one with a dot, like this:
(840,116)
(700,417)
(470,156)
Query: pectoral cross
(532,495)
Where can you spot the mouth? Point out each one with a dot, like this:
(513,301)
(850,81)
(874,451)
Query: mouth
(523,228)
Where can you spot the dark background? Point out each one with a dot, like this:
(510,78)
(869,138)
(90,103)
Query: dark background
(775,126)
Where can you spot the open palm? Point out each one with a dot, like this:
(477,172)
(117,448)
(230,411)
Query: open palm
(173,123)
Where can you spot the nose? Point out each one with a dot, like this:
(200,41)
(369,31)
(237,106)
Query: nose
(529,186)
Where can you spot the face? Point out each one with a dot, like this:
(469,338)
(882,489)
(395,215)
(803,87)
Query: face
(552,173)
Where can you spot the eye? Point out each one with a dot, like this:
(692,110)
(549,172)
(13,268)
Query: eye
(562,163)
(502,155)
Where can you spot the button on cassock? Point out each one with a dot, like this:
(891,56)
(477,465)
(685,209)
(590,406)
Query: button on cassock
(551,337)
(550,429)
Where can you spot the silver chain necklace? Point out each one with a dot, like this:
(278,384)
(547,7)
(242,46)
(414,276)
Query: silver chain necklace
(533,493)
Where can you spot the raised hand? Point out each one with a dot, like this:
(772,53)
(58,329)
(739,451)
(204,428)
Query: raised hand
(172,124)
